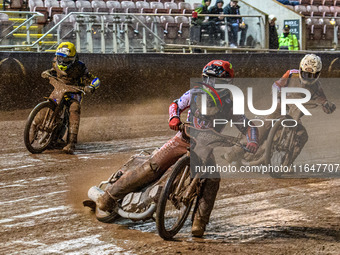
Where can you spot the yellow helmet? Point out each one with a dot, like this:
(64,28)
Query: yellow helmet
(66,55)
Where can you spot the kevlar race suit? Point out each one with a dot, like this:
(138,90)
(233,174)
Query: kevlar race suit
(176,147)
(291,79)
(77,75)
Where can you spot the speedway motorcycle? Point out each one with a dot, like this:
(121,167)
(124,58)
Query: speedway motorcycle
(169,200)
(278,147)
(47,124)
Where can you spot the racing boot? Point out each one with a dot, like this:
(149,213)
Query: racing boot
(106,203)
(134,180)
(204,205)
(235,154)
(69,148)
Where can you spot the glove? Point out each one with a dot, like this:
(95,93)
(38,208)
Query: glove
(95,83)
(45,74)
(89,89)
(174,123)
(328,107)
(252,147)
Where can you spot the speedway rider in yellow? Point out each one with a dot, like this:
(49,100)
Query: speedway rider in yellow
(67,67)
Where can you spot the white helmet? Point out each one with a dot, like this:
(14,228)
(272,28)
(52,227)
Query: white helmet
(271,18)
(310,68)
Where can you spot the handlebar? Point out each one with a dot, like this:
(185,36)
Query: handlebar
(63,83)
(182,128)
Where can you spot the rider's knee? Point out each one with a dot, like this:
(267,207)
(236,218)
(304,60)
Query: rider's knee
(75,108)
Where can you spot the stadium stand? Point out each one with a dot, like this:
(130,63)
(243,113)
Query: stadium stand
(320,26)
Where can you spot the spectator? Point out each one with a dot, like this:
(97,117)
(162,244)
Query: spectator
(287,2)
(287,41)
(217,9)
(235,24)
(273,36)
(205,23)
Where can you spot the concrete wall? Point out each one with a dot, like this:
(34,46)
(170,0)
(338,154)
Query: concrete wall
(134,77)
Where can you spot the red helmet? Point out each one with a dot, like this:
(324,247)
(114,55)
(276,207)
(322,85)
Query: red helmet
(219,69)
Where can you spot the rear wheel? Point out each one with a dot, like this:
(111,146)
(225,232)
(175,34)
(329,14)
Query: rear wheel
(39,127)
(173,207)
(278,151)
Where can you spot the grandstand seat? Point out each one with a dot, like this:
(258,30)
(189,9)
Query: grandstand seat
(38,6)
(171,28)
(127,5)
(142,4)
(67,27)
(53,8)
(113,5)
(68,6)
(315,29)
(328,30)
(147,10)
(306,2)
(328,2)
(176,11)
(156,5)
(153,23)
(184,28)
(99,6)
(185,7)
(317,2)
(171,5)
(44,11)
(164,11)
(16,4)
(139,26)
(314,11)
(6,26)
(84,6)
(326,11)
(34,3)
(302,9)
(335,10)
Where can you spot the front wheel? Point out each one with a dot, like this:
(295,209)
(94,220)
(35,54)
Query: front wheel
(175,203)
(278,148)
(39,127)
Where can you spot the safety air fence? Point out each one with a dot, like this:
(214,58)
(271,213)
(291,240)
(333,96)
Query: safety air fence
(133,77)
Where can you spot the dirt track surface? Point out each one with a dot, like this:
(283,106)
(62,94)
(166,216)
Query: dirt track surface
(41,196)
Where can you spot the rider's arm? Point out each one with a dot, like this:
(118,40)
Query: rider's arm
(283,82)
(320,97)
(251,132)
(176,108)
(89,79)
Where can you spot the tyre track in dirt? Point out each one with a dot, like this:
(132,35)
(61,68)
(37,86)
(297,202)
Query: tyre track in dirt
(41,195)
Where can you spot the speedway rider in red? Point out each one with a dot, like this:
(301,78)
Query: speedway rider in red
(176,147)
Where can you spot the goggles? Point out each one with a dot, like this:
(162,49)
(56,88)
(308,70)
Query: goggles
(309,76)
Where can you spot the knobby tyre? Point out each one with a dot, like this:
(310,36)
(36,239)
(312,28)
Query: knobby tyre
(171,211)
(37,139)
(276,156)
